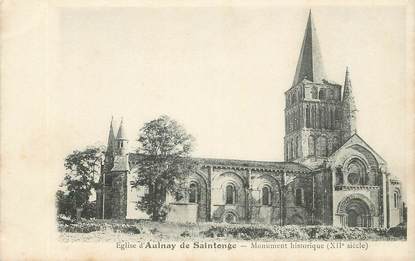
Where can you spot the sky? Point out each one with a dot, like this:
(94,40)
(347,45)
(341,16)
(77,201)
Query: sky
(222,73)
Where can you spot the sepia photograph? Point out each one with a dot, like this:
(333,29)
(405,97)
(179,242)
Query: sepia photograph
(235,128)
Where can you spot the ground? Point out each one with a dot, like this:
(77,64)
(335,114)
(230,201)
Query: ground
(134,231)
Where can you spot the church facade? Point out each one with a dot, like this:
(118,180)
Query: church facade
(329,175)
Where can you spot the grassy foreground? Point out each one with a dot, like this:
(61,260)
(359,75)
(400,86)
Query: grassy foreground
(138,230)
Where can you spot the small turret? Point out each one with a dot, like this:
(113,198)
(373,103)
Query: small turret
(349,109)
(111,140)
(121,140)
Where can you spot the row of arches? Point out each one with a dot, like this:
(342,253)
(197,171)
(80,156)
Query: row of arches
(293,120)
(321,117)
(355,172)
(314,93)
(232,191)
(321,146)
(316,117)
(293,148)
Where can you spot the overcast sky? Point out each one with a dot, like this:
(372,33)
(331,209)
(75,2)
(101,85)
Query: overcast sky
(222,73)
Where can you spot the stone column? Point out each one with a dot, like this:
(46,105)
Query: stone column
(248,196)
(209,193)
(384,198)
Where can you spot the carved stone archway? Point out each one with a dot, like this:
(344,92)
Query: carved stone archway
(356,210)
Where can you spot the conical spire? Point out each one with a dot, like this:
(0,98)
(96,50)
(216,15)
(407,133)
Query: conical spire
(347,90)
(121,133)
(310,64)
(111,138)
(349,108)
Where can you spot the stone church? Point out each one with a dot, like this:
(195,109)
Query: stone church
(329,175)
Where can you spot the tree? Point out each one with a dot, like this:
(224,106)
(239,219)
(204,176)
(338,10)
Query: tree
(83,169)
(164,147)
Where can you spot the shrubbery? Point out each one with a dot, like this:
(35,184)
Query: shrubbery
(88,226)
(250,232)
(237,231)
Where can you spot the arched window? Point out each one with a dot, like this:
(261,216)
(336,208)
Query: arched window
(321,146)
(325,118)
(356,173)
(330,94)
(338,117)
(296,148)
(230,194)
(322,94)
(193,193)
(299,197)
(396,199)
(307,117)
(320,119)
(266,196)
(311,146)
(293,149)
(314,93)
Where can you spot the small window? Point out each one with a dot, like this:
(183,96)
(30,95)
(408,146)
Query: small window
(314,93)
(230,194)
(298,197)
(266,196)
(193,193)
(396,199)
(322,94)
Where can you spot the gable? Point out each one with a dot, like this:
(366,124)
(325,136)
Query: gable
(356,146)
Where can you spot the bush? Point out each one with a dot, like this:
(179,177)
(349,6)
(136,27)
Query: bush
(292,232)
(90,226)
(80,227)
(249,232)
(398,231)
(185,234)
(126,228)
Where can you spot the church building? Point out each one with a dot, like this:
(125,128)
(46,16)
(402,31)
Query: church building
(329,176)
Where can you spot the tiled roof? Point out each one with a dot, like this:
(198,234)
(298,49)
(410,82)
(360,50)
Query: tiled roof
(271,165)
(274,165)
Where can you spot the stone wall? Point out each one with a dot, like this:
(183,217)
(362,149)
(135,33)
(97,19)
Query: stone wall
(182,212)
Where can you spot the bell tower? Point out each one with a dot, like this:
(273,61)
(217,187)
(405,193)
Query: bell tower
(313,107)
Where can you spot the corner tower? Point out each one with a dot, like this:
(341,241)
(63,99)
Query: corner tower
(121,141)
(313,110)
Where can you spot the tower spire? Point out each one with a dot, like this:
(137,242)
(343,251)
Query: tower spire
(310,64)
(349,108)
(121,133)
(111,138)
(121,139)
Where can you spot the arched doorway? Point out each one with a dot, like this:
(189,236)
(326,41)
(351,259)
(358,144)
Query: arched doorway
(356,211)
(352,218)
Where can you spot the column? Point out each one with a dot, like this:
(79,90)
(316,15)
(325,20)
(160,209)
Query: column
(209,194)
